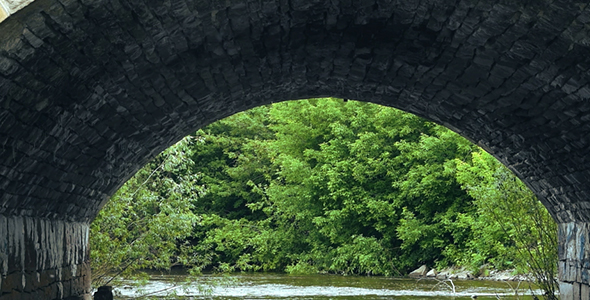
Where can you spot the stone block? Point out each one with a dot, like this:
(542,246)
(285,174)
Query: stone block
(87,283)
(36,294)
(14,295)
(31,281)
(51,291)
(13,281)
(78,286)
(585,292)
(67,287)
(82,269)
(566,291)
(48,277)
(66,273)
(3,14)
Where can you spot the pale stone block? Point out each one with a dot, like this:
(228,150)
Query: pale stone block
(576,290)
(566,291)
(567,271)
(3,14)
(585,292)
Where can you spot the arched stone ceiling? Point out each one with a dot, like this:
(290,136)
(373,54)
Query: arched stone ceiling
(90,90)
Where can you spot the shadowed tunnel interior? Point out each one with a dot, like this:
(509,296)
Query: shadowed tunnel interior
(91,90)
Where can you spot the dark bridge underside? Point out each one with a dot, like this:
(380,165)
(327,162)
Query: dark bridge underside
(91,90)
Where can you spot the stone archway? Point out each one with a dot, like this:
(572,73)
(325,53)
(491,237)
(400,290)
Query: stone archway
(91,90)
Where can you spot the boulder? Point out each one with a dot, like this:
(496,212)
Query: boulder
(444,273)
(461,274)
(431,273)
(420,272)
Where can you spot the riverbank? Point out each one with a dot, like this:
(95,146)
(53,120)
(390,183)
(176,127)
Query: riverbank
(464,273)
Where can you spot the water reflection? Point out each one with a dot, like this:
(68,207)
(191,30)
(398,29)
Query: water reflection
(322,287)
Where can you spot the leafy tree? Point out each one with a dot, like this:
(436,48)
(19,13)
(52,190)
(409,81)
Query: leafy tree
(233,164)
(512,228)
(432,198)
(236,169)
(346,173)
(144,222)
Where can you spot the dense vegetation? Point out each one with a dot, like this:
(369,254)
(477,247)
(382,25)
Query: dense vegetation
(322,185)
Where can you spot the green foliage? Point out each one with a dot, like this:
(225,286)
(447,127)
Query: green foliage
(319,185)
(514,228)
(322,185)
(143,224)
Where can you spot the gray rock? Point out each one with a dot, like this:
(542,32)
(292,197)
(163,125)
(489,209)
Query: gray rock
(420,272)
(431,273)
(444,274)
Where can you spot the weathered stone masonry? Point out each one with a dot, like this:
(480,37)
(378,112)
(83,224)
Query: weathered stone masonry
(574,260)
(43,259)
(90,90)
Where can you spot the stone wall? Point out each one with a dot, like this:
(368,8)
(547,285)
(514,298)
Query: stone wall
(574,261)
(43,259)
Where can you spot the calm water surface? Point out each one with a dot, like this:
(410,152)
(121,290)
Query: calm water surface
(324,287)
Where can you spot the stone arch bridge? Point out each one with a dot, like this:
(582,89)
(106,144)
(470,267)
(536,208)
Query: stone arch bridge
(90,90)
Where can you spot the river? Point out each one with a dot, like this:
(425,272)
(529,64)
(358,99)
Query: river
(324,287)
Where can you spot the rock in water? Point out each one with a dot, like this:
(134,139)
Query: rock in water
(420,272)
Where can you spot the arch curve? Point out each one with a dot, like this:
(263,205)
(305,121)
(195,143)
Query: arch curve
(91,90)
